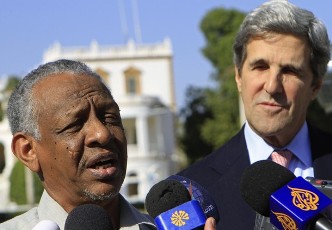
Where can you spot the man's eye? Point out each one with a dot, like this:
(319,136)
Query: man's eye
(112,120)
(73,127)
(260,67)
(290,71)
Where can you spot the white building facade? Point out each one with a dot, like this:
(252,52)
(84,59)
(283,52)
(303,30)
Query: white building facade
(142,83)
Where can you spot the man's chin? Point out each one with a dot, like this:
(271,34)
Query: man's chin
(99,196)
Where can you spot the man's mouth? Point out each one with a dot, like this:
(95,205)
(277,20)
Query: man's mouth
(103,166)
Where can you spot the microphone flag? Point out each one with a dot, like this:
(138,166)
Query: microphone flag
(200,194)
(296,205)
(186,216)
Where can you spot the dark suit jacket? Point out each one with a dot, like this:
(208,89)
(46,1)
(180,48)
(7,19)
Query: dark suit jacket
(220,173)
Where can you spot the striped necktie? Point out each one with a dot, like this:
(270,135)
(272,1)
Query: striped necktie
(282,157)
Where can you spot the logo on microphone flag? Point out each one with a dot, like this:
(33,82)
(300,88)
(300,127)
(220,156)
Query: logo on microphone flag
(186,216)
(296,204)
(179,218)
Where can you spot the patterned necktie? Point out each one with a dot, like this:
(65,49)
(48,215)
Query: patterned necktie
(282,157)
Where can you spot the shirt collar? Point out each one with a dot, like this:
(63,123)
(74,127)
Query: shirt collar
(259,150)
(131,218)
(49,209)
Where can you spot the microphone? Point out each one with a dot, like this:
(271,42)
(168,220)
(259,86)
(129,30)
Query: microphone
(199,193)
(290,202)
(325,186)
(88,217)
(46,225)
(171,205)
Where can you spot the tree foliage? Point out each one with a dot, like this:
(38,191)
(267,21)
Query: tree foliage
(211,115)
(219,27)
(318,117)
(194,114)
(11,83)
(10,86)
(17,185)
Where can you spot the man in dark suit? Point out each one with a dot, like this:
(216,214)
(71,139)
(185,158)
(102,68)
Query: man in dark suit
(281,54)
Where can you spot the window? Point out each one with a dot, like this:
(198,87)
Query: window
(103,74)
(133,81)
(129,125)
(2,158)
(132,184)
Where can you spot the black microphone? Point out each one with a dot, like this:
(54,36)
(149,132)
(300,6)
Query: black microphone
(88,217)
(273,191)
(171,205)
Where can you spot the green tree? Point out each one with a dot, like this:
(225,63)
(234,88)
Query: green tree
(219,27)
(211,115)
(195,113)
(11,84)
(318,117)
(17,185)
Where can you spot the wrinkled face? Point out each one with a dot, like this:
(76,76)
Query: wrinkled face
(276,86)
(82,152)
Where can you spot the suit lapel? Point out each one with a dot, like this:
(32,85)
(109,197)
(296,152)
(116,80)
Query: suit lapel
(232,155)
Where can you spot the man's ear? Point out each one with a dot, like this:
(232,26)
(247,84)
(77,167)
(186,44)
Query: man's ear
(238,79)
(316,88)
(22,147)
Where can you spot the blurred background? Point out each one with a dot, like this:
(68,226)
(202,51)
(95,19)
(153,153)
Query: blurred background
(168,64)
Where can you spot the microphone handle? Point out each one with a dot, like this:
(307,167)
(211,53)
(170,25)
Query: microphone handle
(263,223)
(323,224)
(325,186)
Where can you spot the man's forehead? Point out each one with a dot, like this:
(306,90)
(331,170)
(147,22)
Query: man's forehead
(67,82)
(66,86)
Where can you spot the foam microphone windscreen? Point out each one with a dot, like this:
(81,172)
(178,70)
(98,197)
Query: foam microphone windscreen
(88,217)
(165,195)
(260,180)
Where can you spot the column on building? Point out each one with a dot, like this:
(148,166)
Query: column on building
(142,134)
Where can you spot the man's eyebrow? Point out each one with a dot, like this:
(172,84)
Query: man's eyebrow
(257,61)
(110,104)
(291,66)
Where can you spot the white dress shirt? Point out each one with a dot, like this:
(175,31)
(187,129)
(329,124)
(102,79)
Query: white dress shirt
(301,163)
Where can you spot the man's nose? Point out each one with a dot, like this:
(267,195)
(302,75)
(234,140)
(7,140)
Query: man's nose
(97,132)
(273,83)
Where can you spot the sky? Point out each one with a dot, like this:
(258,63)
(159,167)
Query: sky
(28,28)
